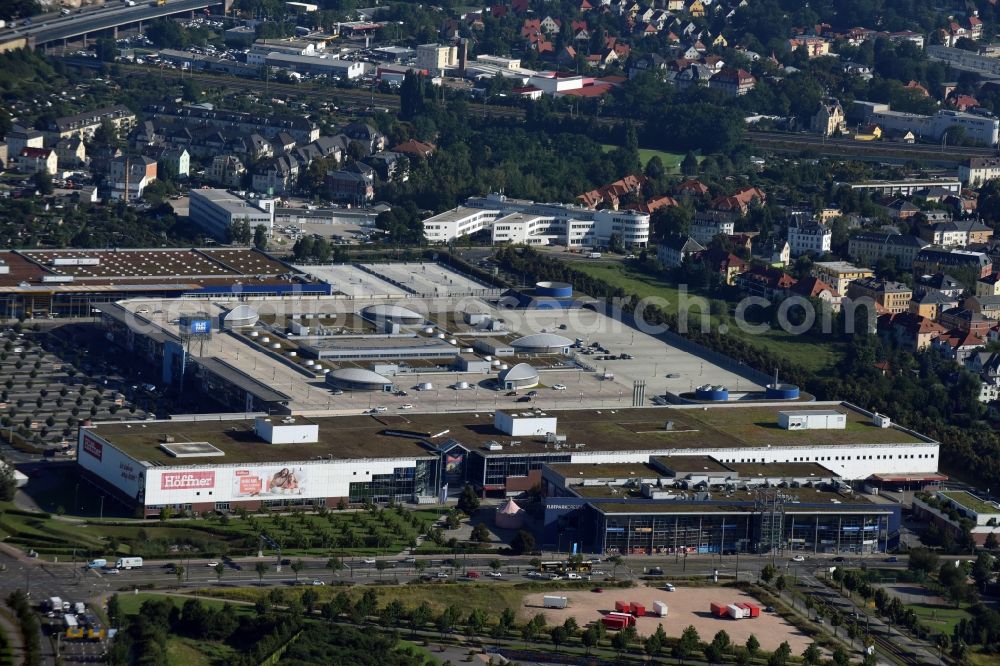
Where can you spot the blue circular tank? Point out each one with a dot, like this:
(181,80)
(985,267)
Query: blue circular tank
(713,393)
(781,392)
(553,289)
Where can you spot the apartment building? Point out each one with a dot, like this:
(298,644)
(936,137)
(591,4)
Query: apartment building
(893,296)
(838,274)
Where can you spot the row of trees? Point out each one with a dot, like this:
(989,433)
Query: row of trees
(143,637)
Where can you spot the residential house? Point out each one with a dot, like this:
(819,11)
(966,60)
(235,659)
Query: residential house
(961,102)
(129,176)
(173,161)
(733,81)
(939,282)
(389,165)
(650,62)
(988,306)
(71,152)
(276,175)
(415,149)
(774,252)
(815,47)
(84,125)
(765,281)
(809,237)
(958,345)
(933,260)
(829,118)
(956,233)
(931,304)
(975,171)
(901,209)
(34,160)
(351,187)
(724,264)
(693,76)
(370,138)
(815,289)
(691,189)
(963,319)
(674,249)
(741,201)
(707,224)
(20,137)
(910,331)
(870,246)
(989,285)
(987,366)
(893,296)
(838,274)
(225,170)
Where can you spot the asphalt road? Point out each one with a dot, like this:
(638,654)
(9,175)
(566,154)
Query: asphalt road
(52,28)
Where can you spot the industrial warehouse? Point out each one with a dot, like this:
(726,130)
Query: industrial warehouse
(359,349)
(219,463)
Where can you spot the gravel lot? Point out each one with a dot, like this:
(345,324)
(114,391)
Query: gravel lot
(688,606)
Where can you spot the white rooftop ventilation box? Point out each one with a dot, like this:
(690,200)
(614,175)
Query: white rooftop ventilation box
(289,430)
(814,419)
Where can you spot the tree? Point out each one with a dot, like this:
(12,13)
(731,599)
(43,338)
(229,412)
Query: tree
(768,573)
(722,641)
(558,636)
(260,237)
(179,572)
(42,180)
(481,533)
(8,484)
(811,655)
(297,566)
(420,616)
(220,569)
(590,638)
(380,566)
(779,584)
(923,561)
(752,645)
(840,657)
(687,643)
(689,165)
(240,232)
(334,564)
(991,541)
(261,568)
(522,543)
(468,501)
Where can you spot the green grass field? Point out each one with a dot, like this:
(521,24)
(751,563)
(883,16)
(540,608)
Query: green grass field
(671,161)
(940,619)
(349,532)
(815,353)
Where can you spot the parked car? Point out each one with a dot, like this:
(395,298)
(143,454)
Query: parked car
(669,587)
(532,394)
(559,387)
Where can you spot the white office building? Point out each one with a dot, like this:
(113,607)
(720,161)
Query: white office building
(530,223)
(982,128)
(216,211)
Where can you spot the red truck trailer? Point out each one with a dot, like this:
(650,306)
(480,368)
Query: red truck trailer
(623,606)
(637,609)
(719,610)
(753,608)
(616,620)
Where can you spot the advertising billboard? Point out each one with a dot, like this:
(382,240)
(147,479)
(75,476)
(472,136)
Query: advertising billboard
(187,480)
(269,482)
(92,447)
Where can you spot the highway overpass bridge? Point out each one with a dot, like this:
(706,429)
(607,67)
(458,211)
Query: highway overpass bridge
(92,21)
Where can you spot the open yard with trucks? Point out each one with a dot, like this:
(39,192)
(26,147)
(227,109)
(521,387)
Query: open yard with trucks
(687,606)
